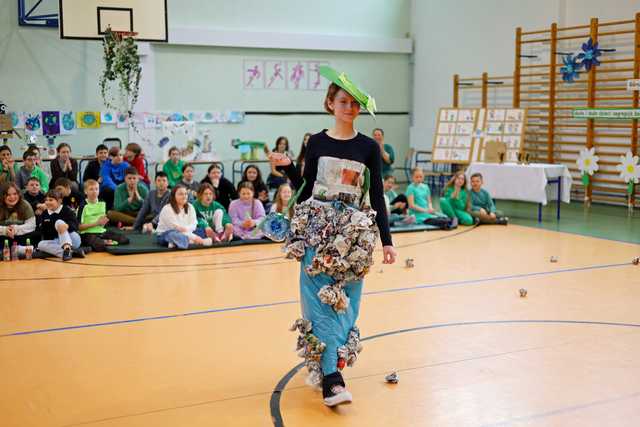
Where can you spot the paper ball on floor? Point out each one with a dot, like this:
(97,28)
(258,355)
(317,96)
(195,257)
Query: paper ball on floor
(409,263)
(392,378)
(553,259)
(635,261)
(523,293)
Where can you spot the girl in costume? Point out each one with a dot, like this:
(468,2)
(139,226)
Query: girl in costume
(456,203)
(333,233)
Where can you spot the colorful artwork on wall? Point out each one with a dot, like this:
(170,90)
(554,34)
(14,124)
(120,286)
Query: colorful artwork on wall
(67,123)
(88,119)
(51,123)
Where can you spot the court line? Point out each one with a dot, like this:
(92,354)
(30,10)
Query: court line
(274,401)
(279,303)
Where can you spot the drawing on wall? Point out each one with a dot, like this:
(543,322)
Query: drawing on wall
(108,117)
(122,120)
(253,71)
(51,123)
(296,75)
(181,135)
(316,82)
(17,119)
(88,119)
(67,123)
(275,78)
(33,124)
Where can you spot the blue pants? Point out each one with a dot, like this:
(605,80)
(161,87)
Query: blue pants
(180,240)
(328,326)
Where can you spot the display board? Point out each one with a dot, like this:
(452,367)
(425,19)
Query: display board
(456,135)
(505,125)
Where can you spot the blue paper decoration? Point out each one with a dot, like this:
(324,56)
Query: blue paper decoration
(589,54)
(275,226)
(570,69)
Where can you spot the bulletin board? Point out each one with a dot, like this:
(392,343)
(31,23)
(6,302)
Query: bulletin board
(456,135)
(505,125)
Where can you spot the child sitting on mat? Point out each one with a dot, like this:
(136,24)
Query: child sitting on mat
(213,220)
(397,202)
(482,206)
(128,199)
(456,202)
(173,167)
(246,213)
(34,196)
(281,201)
(178,222)
(187,181)
(149,213)
(93,219)
(420,205)
(253,175)
(58,226)
(225,191)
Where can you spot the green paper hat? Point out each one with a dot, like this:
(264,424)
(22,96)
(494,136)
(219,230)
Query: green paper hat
(341,79)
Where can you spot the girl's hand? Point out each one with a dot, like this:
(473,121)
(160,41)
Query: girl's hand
(279,159)
(248,223)
(431,210)
(389,254)
(182,229)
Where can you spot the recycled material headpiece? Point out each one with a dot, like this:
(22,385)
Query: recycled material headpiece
(341,79)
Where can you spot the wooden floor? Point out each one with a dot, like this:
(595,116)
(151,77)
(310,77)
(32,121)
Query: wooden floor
(201,338)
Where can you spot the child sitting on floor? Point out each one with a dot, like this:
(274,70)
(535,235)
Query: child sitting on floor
(93,219)
(128,199)
(253,175)
(420,205)
(246,213)
(34,196)
(173,167)
(58,226)
(482,206)
(213,220)
(70,197)
(397,202)
(29,170)
(149,213)
(188,181)
(135,157)
(281,200)
(178,222)
(456,202)
(17,220)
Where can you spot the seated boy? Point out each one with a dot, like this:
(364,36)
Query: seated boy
(128,199)
(92,171)
(112,173)
(34,196)
(482,206)
(29,169)
(397,202)
(58,226)
(70,197)
(93,218)
(147,218)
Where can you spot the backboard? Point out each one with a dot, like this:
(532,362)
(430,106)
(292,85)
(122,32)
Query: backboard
(89,19)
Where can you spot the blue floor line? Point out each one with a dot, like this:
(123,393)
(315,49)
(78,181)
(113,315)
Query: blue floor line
(274,304)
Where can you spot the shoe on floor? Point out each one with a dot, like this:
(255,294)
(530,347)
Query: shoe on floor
(207,242)
(409,220)
(66,254)
(78,253)
(339,395)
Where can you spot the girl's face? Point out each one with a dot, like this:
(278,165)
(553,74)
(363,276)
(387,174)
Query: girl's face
(286,193)
(252,174)
(389,184)
(129,155)
(459,182)
(345,107)
(64,153)
(117,159)
(215,174)
(418,177)
(174,155)
(246,195)
(52,203)
(11,198)
(5,155)
(377,135)
(207,197)
(181,196)
(188,174)
(282,146)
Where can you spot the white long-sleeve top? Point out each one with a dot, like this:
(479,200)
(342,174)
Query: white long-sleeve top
(169,220)
(21,229)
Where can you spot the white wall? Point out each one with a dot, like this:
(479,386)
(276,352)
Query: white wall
(469,37)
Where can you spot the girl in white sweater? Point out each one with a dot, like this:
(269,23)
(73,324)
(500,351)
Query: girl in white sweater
(178,221)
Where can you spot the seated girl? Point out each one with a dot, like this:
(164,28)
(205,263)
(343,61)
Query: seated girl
(246,213)
(252,174)
(63,166)
(177,222)
(278,176)
(281,201)
(135,157)
(225,191)
(213,220)
(17,220)
(456,203)
(420,205)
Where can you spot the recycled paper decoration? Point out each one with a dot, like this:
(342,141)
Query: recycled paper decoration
(181,135)
(587,163)
(33,124)
(67,123)
(88,119)
(51,123)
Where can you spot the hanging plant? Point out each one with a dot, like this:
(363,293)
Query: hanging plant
(121,67)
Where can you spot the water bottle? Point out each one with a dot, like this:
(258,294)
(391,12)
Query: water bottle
(6,251)
(14,251)
(28,250)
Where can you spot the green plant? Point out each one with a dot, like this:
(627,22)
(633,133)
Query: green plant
(121,67)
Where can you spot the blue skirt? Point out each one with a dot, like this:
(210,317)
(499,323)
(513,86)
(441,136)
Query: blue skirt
(330,327)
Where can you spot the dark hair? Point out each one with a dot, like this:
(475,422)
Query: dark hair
(33,178)
(61,146)
(5,148)
(281,138)
(247,184)
(135,148)
(173,149)
(161,174)
(212,167)
(130,171)
(21,208)
(205,186)
(303,149)
(172,199)
(386,177)
(101,147)
(63,182)
(476,175)
(114,151)
(258,181)
(375,129)
(53,194)
(28,153)
(187,165)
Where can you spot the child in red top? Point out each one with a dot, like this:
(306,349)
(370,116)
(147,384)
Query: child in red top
(135,157)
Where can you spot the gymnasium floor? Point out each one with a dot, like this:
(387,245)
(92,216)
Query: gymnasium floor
(201,338)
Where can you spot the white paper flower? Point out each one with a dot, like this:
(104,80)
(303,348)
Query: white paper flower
(587,161)
(629,168)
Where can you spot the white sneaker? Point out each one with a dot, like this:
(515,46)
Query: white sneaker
(171,245)
(207,242)
(340,395)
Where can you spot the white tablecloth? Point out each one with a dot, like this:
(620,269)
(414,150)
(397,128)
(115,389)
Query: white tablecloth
(510,181)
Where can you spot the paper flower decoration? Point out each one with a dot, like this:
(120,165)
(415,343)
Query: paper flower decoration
(275,226)
(570,69)
(589,54)
(587,163)
(629,170)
